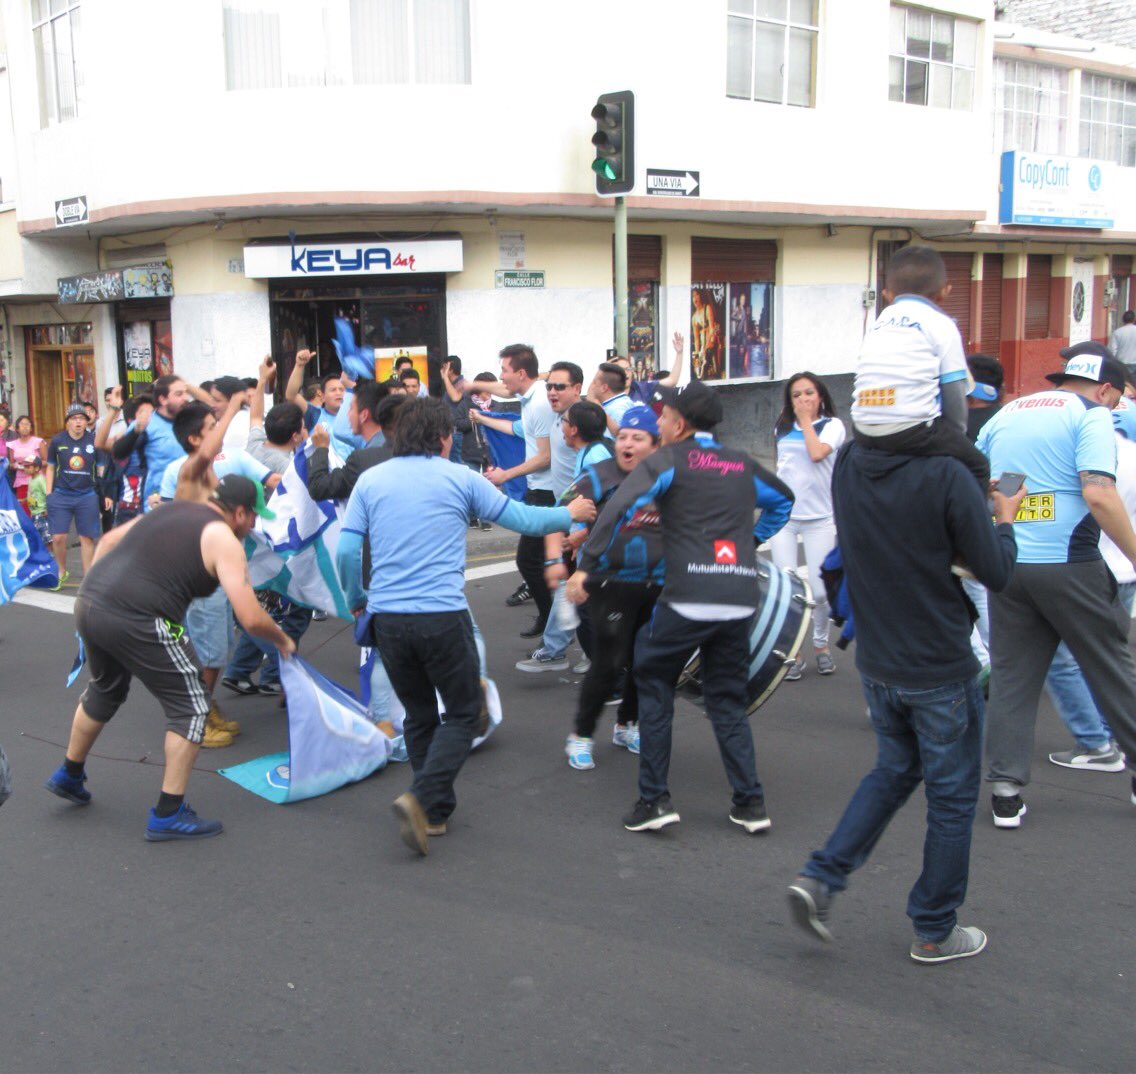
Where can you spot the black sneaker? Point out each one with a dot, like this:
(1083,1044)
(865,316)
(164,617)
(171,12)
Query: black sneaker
(1008,811)
(809,901)
(651,816)
(519,596)
(751,816)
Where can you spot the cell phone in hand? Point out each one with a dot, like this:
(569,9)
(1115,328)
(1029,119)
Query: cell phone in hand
(1009,483)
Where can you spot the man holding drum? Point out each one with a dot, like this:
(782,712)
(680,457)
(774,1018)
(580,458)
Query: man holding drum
(706,495)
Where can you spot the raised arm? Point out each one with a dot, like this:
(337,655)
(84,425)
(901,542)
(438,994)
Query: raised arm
(292,390)
(193,469)
(266,374)
(671,379)
(114,408)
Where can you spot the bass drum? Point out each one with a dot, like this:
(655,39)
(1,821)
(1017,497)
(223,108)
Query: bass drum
(777,632)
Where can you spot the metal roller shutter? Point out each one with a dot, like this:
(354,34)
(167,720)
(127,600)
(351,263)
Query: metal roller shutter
(957,303)
(732,260)
(1039,271)
(990,330)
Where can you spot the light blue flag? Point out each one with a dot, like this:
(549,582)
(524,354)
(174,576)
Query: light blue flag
(331,742)
(24,559)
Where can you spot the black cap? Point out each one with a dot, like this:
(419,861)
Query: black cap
(229,386)
(1091,361)
(700,405)
(236,490)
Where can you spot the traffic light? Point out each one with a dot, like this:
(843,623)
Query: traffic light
(614,140)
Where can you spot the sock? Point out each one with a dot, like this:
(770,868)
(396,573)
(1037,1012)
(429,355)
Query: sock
(168,804)
(73,768)
(1005,789)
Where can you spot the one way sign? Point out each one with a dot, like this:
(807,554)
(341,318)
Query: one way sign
(671,184)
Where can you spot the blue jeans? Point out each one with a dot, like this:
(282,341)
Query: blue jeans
(250,651)
(933,736)
(1071,695)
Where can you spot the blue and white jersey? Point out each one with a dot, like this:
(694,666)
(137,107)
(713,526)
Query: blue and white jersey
(810,481)
(1052,437)
(236,462)
(912,349)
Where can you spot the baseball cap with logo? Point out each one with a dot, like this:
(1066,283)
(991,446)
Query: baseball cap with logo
(988,377)
(236,490)
(697,403)
(1090,361)
(640,417)
(76,410)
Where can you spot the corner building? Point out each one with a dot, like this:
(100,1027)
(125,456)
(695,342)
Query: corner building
(423,169)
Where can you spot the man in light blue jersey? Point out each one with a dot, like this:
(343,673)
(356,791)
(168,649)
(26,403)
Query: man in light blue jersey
(156,436)
(1062,441)
(415,509)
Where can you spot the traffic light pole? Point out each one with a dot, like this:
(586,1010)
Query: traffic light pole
(621,277)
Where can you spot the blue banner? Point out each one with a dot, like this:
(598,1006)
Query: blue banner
(506,451)
(24,559)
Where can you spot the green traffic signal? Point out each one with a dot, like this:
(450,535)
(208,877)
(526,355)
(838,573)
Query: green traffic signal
(614,142)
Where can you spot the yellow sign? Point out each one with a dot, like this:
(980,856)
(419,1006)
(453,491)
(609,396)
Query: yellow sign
(1037,507)
(877,397)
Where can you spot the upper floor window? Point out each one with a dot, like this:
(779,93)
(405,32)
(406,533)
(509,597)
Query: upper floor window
(274,44)
(932,58)
(55,36)
(771,48)
(1031,102)
(1108,119)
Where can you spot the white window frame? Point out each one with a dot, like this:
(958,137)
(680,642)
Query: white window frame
(49,96)
(963,75)
(318,66)
(787,25)
(1015,81)
(1118,123)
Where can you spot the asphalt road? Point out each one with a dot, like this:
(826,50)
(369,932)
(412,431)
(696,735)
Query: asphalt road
(538,935)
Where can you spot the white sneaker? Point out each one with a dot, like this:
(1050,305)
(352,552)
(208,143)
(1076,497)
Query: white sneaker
(579,752)
(542,661)
(582,667)
(626,736)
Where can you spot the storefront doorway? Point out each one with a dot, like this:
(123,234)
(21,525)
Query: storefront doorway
(391,317)
(60,371)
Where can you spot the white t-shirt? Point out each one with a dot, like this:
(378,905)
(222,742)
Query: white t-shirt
(537,419)
(1117,561)
(912,349)
(810,481)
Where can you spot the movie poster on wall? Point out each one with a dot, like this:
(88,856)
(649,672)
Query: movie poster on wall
(641,344)
(707,331)
(137,346)
(751,323)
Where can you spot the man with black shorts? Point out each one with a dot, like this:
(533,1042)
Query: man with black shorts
(129,614)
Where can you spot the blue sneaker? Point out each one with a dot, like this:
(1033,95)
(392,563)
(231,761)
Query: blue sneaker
(579,750)
(184,824)
(69,787)
(626,736)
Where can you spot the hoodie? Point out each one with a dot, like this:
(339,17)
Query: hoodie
(902,522)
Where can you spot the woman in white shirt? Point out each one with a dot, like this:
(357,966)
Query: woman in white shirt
(808,436)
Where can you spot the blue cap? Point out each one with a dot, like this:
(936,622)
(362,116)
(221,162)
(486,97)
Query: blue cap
(986,392)
(640,417)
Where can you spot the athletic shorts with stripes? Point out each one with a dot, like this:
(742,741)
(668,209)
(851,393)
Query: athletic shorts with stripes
(121,648)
